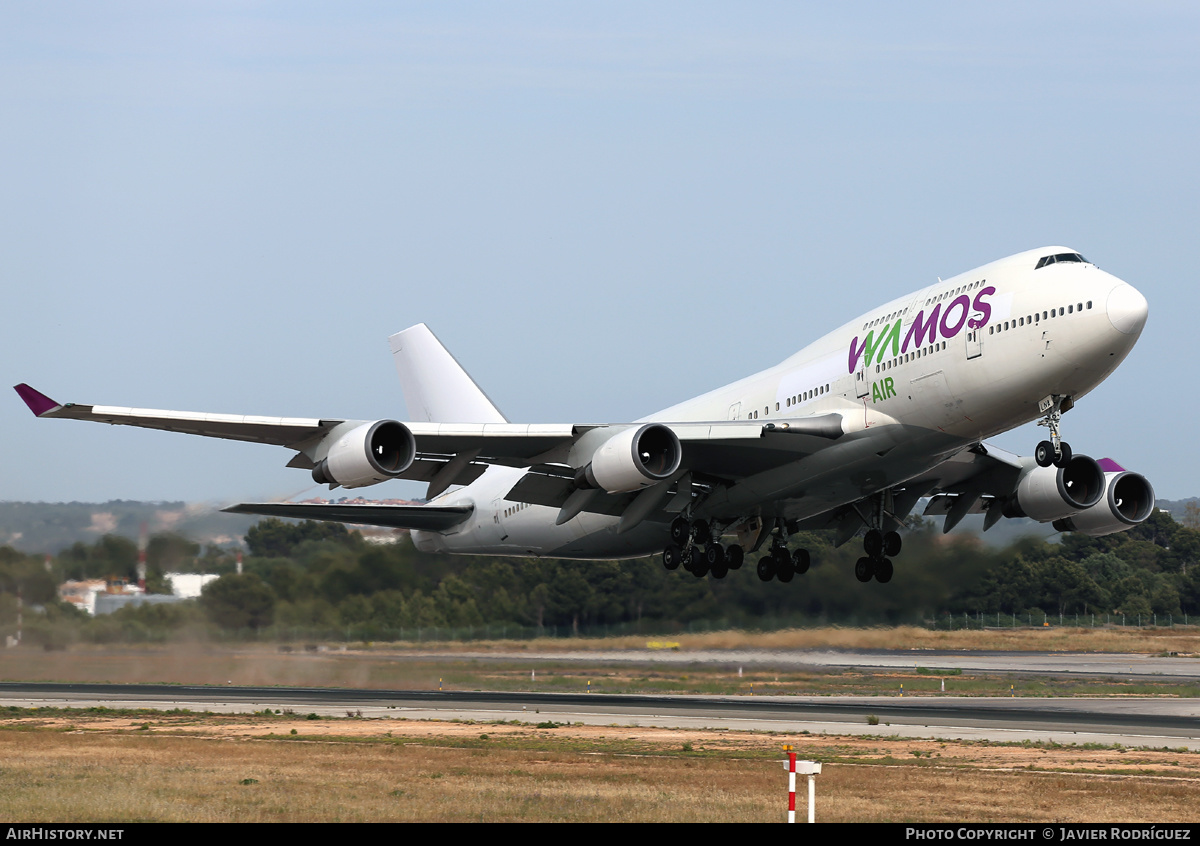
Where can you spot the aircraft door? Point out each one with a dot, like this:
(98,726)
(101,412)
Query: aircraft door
(974,344)
(862,385)
(489,523)
(735,411)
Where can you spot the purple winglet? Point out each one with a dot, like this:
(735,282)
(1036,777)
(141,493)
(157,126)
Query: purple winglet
(38,402)
(1110,466)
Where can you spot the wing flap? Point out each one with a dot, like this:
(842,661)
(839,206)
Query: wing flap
(552,492)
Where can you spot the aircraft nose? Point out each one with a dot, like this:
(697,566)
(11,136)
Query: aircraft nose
(1127,309)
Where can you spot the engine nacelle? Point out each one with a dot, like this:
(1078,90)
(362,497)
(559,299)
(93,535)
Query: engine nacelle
(634,459)
(1051,493)
(367,455)
(1128,500)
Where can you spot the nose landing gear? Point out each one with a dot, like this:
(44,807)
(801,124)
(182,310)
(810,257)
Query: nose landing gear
(1055,451)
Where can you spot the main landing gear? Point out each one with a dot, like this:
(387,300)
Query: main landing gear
(693,546)
(1055,451)
(877,563)
(780,563)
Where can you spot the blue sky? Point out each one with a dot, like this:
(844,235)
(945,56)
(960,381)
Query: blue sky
(601,209)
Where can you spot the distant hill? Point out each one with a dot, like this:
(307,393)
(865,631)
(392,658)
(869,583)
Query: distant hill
(1176,506)
(36,527)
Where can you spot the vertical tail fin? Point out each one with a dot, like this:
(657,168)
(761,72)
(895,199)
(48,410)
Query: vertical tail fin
(436,388)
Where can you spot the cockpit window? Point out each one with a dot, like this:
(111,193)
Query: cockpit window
(1045,260)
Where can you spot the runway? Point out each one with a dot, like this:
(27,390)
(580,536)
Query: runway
(1129,721)
(1091,664)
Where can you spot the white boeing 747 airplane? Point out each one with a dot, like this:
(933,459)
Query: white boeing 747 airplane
(847,434)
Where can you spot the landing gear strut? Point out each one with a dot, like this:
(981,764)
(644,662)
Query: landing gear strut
(879,546)
(696,546)
(693,545)
(780,563)
(1055,451)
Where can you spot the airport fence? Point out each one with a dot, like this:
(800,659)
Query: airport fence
(1040,619)
(665,629)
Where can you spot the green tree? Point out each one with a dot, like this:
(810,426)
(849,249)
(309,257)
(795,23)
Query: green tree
(239,602)
(275,538)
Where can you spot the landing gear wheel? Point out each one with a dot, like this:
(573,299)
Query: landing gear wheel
(783,564)
(864,569)
(719,571)
(873,543)
(681,530)
(883,571)
(734,555)
(800,561)
(671,557)
(766,568)
(693,561)
(892,544)
(700,533)
(714,556)
(1058,454)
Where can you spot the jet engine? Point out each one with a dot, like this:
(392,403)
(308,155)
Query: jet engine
(633,459)
(366,455)
(1051,493)
(1128,500)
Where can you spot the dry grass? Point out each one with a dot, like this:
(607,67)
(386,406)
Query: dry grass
(192,768)
(1183,639)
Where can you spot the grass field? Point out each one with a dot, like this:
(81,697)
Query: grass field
(83,766)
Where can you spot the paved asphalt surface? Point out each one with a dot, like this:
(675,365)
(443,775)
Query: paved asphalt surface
(1090,664)
(1130,721)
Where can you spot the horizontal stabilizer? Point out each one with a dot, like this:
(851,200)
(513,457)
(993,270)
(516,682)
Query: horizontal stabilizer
(425,518)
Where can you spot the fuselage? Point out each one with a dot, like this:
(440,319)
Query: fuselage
(946,366)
